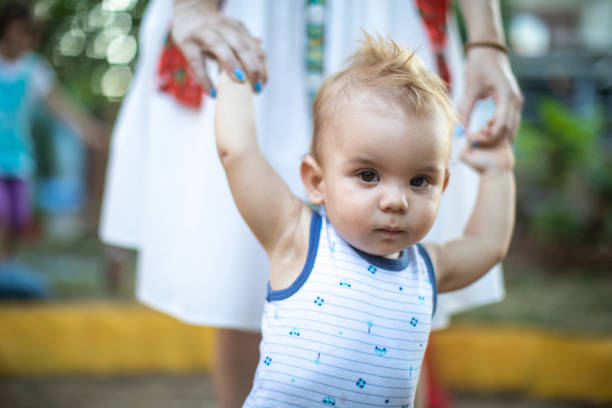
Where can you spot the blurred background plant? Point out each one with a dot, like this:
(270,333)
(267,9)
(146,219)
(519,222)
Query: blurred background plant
(92,44)
(564,170)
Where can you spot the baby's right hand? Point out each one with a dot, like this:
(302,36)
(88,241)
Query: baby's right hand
(234,96)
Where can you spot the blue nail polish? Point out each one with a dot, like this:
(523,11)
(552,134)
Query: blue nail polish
(213,93)
(475,144)
(459,131)
(258,87)
(239,74)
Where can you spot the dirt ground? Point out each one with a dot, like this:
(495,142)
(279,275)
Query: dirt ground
(180,391)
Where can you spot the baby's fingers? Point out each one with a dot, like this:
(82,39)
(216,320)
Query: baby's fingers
(497,156)
(482,137)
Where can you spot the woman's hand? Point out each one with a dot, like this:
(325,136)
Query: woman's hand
(488,74)
(201,32)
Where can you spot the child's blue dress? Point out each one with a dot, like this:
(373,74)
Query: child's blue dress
(22,85)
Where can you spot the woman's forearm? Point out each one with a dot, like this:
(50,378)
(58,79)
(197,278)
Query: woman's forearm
(483,20)
(205,5)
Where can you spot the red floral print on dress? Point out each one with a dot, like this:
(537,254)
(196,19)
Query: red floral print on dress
(175,76)
(433,13)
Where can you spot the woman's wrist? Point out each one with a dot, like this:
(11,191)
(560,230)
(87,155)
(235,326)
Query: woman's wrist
(483,56)
(483,21)
(207,6)
(490,45)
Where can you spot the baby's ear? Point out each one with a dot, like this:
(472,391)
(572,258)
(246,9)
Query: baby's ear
(446,178)
(312,177)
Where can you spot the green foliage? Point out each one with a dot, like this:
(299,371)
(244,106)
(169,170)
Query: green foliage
(565,176)
(81,71)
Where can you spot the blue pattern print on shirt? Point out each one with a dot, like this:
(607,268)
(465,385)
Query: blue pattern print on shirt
(380,351)
(329,401)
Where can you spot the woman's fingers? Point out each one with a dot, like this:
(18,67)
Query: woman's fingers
(197,61)
(212,35)
(488,74)
(507,115)
(248,52)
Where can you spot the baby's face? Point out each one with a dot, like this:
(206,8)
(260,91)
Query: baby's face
(384,171)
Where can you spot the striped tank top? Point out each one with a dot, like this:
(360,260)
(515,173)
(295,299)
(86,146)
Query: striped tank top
(351,331)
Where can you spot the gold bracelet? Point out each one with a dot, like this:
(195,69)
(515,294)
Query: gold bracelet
(491,44)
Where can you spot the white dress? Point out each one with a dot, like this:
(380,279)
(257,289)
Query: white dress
(166,192)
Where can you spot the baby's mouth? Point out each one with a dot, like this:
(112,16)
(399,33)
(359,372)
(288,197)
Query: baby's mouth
(390,231)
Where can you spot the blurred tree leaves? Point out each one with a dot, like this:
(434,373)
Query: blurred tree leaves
(68,31)
(564,168)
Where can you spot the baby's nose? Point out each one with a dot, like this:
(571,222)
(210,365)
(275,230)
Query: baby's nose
(394,199)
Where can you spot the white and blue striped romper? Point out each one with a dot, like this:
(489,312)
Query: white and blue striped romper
(351,331)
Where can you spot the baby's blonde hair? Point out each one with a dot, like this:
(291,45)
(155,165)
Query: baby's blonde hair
(387,70)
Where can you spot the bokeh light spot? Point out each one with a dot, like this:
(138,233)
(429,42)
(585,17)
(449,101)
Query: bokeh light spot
(42,9)
(122,21)
(98,47)
(98,18)
(118,5)
(116,81)
(121,50)
(72,42)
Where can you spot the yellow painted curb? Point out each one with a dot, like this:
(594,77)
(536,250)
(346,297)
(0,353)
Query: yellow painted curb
(121,338)
(539,363)
(99,338)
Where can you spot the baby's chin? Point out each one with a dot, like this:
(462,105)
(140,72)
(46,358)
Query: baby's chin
(391,251)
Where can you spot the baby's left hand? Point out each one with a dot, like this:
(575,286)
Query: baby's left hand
(484,154)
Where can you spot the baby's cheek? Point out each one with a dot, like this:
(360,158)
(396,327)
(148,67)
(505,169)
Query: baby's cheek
(428,210)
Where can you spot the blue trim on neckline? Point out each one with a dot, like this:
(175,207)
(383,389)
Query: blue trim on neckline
(432,276)
(313,246)
(389,264)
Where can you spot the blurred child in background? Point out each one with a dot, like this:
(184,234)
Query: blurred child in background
(26,80)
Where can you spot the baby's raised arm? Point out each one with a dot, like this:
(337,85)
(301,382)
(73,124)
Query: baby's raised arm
(487,235)
(261,195)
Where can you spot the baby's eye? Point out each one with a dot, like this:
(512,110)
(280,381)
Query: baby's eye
(368,176)
(419,182)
